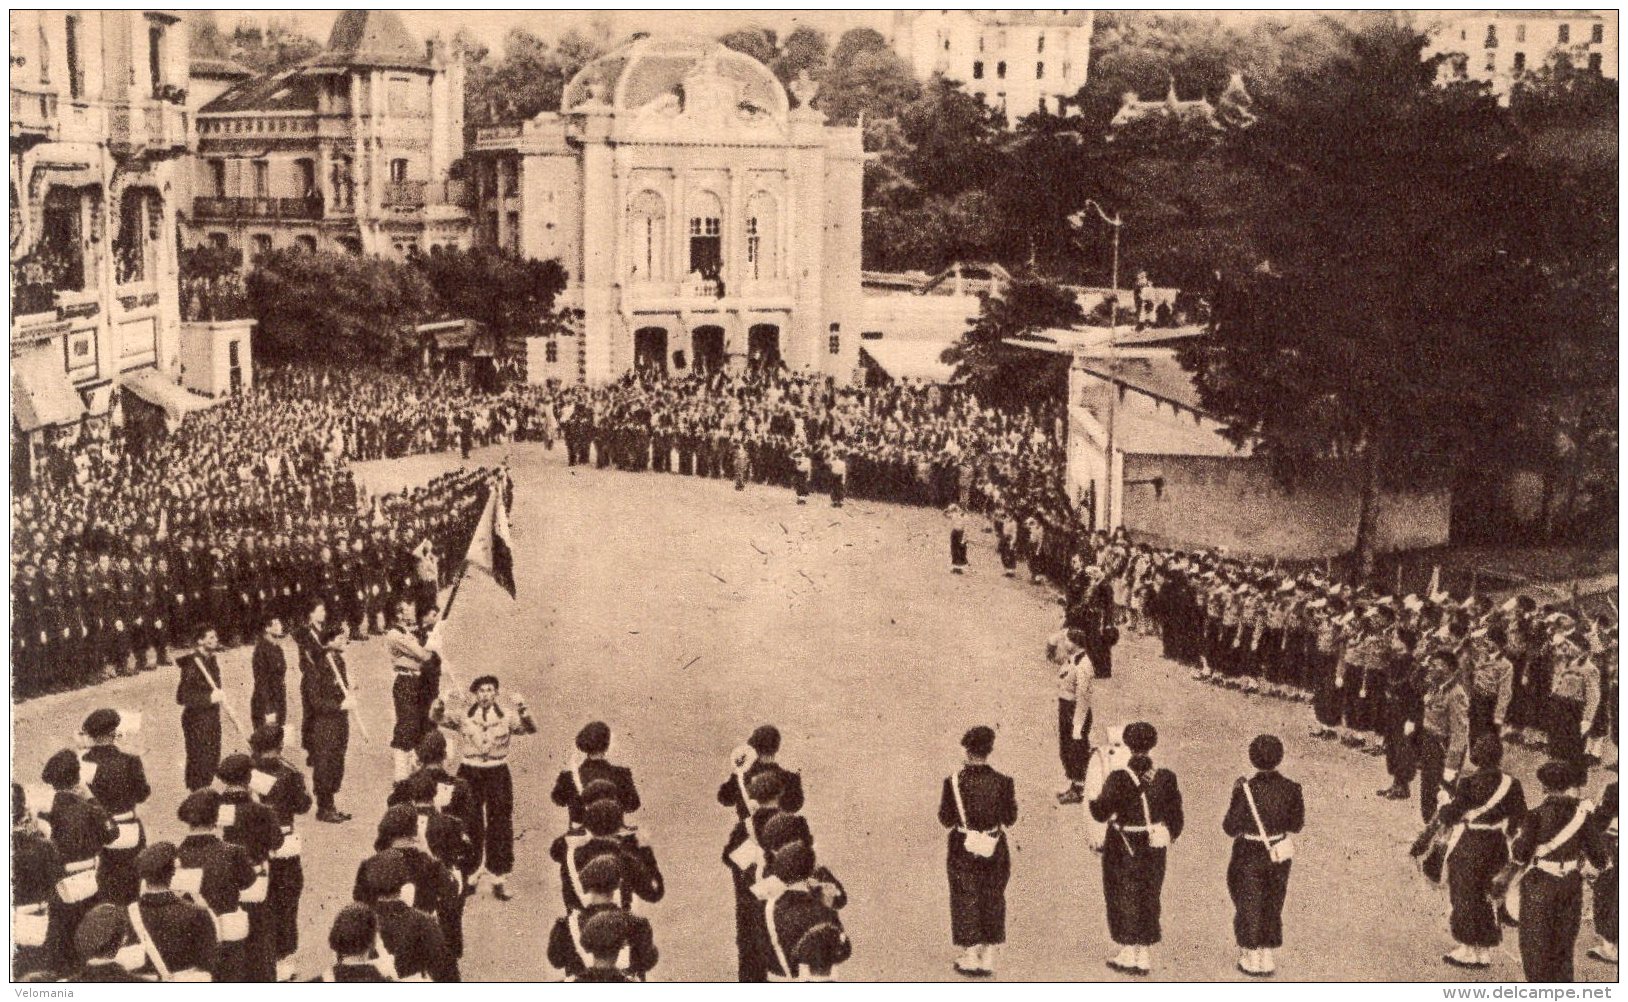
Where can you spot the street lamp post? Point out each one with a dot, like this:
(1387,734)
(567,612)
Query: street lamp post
(1078,219)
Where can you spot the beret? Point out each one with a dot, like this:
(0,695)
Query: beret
(605,932)
(490,680)
(819,947)
(234,769)
(1141,737)
(979,740)
(600,789)
(200,809)
(594,738)
(353,930)
(61,770)
(602,875)
(101,723)
(156,863)
(765,740)
(603,817)
(1557,775)
(265,738)
(1265,752)
(101,931)
(783,829)
(385,872)
(420,788)
(793,862)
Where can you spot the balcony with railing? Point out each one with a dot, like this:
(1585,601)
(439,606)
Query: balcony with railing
(33,115)
(410,195)
(270,209)
(154,128)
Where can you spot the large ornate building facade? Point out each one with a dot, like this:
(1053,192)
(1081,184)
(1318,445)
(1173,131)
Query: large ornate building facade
(352,150)
(704,217)
(98,130)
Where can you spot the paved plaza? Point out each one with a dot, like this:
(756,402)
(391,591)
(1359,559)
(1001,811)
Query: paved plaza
(684,613)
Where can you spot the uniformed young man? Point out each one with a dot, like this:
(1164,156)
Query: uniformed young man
(1266,811)
(1606,820)
(1069,653)
(593,743)
(1553,841)
(411,938)
(1444,731)
(977,805)
(198,691)
(36,866)
(214,873)
(269,702)
(758,756)
(119,783)
(604,936)
(255,827)
(604,834)
(601,878)
(325,729)
(281,787)
(80,829)
(97,941)
(177,935)
(408,659)
(1475,826)
(1574,696)
(1142,806)
(446,838)
(744,855)
(797,909)
(487,729)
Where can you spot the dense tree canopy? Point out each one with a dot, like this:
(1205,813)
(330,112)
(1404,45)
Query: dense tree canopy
(1007,375)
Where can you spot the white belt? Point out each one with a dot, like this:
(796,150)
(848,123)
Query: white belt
(1267,839)
(80,866)
(128,817)
(1556,868)
(1139,828)
(1494,827)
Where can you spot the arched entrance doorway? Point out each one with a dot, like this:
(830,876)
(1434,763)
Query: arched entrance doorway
(650,348)
(763,346)
(707,348)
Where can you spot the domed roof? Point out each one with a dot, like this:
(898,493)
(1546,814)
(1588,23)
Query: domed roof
(647,69)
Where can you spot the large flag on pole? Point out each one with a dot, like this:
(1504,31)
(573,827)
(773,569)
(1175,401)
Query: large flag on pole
(491,549)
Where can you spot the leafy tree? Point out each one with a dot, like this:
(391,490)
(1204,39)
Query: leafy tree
(804,50)
(873,82)
(1396,320)
(530,77)
(277,47)
(509,295)
(1006,375)
(855,41)
(333,307)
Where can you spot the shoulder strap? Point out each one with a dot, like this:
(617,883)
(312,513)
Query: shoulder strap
(960,805)
(573,925)
(746,798)
(774,936)
(1249,795)
(147,943)
(571,871)
(1561,837)
(1505,781)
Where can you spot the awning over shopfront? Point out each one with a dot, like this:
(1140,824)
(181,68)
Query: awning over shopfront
(151,386)
(909,359)
(41,392)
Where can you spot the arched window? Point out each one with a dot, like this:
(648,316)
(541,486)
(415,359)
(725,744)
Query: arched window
(706,233)
(647,237)
(762,237)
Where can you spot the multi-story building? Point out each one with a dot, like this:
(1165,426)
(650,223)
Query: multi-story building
(98,132)
(1498,46)
(702,220)
(353,149)
(1019,61)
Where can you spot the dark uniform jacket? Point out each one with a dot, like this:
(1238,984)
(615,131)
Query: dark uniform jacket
(795,913)
(227,870)
(256,827)
(1121,802)
(414,940)
(640,875)
(1545,821)
(79,827)
(791,788)
(104,974)
(1474,789)
(36,866)
(431,883)
(182,932)
(269,700)
(193,690)
(568,792)
(120,782)
(288,796)
(1280,803)
(991,801)
(564,954)
(744,879)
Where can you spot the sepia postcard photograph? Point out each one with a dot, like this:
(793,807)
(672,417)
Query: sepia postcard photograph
(869,496)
